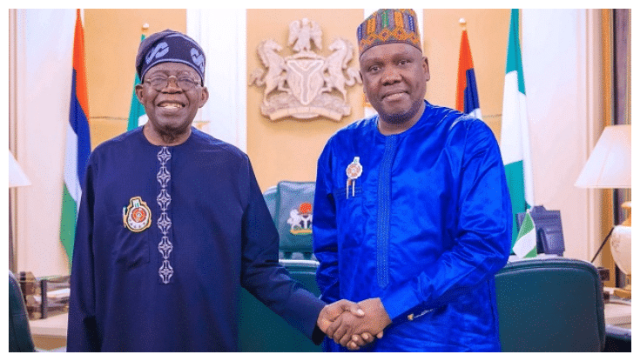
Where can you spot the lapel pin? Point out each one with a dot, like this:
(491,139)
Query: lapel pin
(354,171)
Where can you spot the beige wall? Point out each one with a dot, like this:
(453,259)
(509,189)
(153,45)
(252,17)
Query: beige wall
(288,149)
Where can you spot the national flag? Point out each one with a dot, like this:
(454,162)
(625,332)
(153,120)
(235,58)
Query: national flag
(514,141)
(78,145)
(137,115)
(525,246)
(467,100)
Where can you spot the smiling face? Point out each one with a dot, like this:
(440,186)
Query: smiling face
(394,78)
(172,109)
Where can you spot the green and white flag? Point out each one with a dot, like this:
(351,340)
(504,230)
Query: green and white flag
(525,246)
(514,140)
(137,116)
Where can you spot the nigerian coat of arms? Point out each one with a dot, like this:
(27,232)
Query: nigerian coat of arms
(305,85)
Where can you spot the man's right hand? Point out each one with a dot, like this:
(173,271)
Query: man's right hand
(332,312)
(350,331)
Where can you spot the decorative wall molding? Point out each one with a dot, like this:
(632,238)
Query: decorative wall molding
(305,85)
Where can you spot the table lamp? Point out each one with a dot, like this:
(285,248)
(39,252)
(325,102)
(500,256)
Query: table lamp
(609,166)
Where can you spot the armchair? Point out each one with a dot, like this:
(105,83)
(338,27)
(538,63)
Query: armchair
(20,339)
(550,304)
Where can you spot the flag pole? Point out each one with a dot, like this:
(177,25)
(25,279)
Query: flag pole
(463,24)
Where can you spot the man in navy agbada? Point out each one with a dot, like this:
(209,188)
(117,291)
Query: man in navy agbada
(171,224)
(412,215)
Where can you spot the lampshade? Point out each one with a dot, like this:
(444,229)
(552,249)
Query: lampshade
(17,177)
(609,165)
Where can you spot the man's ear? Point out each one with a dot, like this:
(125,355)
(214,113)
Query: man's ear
(364,89)
(139,92)
(425,65)
(204,96)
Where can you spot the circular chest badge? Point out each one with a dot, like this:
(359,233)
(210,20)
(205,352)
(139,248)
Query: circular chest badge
(137,215)
(354,170)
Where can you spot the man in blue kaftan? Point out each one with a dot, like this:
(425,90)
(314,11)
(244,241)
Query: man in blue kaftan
(171,224)
(412,216)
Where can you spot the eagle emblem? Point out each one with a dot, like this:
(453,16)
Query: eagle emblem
(305,85)
(301,219)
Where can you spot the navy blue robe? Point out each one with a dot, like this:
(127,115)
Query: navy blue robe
(167,278)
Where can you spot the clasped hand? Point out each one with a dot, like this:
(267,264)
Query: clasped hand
(353,325)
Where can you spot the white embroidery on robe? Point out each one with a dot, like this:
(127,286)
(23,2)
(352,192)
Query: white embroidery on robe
(164,222)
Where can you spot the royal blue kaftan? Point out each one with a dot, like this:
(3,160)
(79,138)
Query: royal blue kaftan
(425,226)
(174,286)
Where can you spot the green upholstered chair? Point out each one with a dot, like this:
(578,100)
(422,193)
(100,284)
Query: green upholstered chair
(19,332)
(550,304)
(291,205)
(260,329)
(270,198)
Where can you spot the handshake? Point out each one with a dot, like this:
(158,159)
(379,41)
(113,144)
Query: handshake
(354,325)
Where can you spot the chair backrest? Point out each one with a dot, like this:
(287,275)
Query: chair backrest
(550,304)
(20,339)
(549,234)
(291,205)
(270,198)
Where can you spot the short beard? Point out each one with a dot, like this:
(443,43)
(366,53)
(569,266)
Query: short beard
(401,118)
